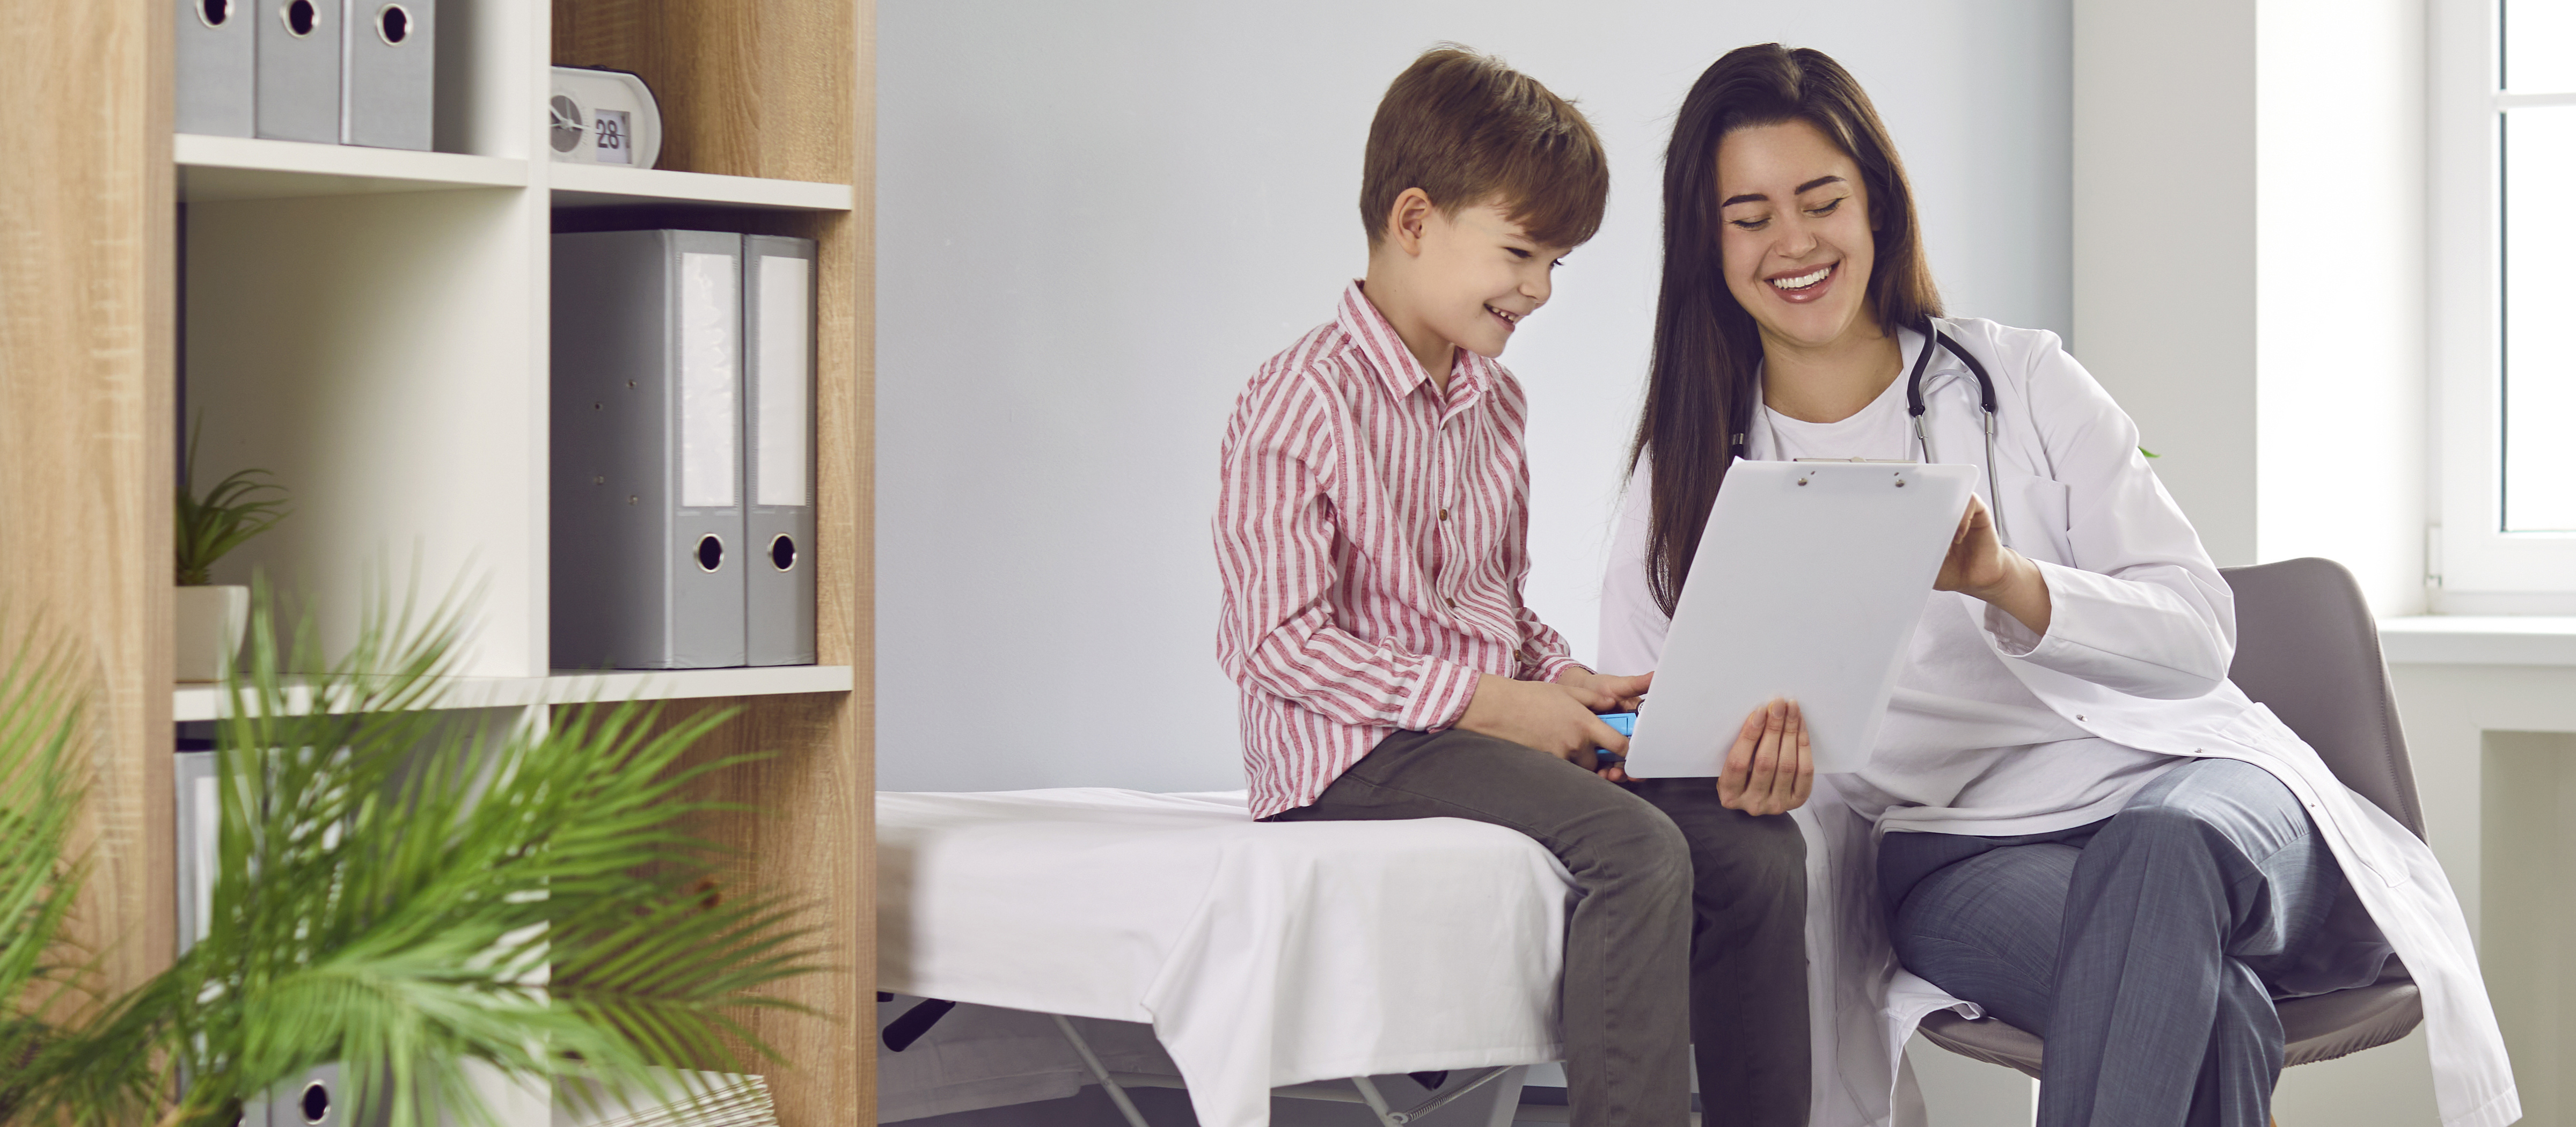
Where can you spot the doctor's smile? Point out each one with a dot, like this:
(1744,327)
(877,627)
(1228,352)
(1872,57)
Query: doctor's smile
(1802,281)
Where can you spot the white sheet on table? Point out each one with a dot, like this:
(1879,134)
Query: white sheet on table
(1262,954)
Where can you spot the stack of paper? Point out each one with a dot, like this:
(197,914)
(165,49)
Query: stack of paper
(695,1099)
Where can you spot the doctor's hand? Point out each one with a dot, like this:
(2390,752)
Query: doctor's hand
(1772,767)
(1981,567)
(1552,716)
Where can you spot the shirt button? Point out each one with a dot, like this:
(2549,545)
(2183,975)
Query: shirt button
(2079,716)
(1453,603)
(1444,514)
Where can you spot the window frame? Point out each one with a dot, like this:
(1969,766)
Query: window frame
(2471,554)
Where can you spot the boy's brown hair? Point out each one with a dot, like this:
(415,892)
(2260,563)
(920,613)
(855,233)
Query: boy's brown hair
(1464,128)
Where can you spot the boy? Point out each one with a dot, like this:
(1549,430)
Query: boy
(1371,529)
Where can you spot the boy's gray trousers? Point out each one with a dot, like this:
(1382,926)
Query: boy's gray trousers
(1689,926)
(2144,949)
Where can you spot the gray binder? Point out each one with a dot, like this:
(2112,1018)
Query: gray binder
(298,66)
(195,840)
(648,553)
(778,448)
(311,1100)
(388,65)
(213,62)
(314,1099)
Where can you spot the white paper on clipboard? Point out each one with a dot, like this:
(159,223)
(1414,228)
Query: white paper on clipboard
(1808,582)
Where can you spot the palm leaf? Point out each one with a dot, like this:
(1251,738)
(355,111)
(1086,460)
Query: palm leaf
(40,744)
(412,892)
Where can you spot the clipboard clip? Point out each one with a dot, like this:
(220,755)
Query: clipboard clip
(1900,474)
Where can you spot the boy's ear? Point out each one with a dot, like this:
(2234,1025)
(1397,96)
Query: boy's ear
(1405,219)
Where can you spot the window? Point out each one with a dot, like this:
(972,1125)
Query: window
(2504,297)
(2538,111)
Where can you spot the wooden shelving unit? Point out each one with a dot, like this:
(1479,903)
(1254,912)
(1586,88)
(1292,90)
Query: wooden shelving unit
(371,326)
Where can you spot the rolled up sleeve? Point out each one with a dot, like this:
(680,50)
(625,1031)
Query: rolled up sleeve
(2142,609)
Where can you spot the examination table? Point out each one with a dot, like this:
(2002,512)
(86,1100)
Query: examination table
(1262,955)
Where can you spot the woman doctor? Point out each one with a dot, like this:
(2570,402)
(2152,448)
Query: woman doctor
(2082,827)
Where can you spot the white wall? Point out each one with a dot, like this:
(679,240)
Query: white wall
(1095,221)
(2164,242)
(2249,267)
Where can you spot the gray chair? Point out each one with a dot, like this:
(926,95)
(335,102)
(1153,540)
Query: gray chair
(2307,647)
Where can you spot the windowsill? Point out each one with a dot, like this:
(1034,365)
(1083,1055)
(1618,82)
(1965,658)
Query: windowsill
(2463,639)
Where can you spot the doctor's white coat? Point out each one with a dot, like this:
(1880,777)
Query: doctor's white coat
(2142,629)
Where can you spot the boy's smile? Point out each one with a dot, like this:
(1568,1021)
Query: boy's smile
(1465,281)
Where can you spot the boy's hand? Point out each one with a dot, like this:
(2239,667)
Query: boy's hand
(1552,716)
(1625,693)
(1771,769)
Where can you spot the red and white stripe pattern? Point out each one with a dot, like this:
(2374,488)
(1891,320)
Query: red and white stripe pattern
(1372,533)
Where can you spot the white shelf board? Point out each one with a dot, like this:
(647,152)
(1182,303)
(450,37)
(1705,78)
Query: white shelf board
(2462,639)
(204,700)
(594,185)
(248,168)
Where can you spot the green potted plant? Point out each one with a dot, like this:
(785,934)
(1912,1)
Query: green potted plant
(399,891)
(208,618)
(41,756)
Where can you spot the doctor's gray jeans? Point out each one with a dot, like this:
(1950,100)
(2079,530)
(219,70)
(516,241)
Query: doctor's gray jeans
(2144,949)
(1688,932)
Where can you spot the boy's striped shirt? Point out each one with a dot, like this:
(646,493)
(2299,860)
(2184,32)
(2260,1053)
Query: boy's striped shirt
(1372,534)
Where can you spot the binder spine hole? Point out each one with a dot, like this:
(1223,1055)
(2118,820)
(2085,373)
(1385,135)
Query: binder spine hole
(782,552)
(316,1103)
(213,13)
(710,552)
(301,17)
(393,24)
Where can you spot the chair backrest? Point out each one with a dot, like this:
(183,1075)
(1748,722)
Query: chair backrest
(2306,646)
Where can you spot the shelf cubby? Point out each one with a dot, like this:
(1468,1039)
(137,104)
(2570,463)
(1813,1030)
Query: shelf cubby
(767,127)
(746,87)
(382,356)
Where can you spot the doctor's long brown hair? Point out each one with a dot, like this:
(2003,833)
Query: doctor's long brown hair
(1704,380)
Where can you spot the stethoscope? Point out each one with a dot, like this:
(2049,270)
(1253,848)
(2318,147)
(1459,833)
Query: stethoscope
(1934,338)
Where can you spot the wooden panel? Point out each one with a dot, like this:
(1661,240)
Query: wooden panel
(809,834)
(746,87)
(86,436)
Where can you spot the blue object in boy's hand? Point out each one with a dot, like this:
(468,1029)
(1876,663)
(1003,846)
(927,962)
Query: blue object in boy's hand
(1624,723)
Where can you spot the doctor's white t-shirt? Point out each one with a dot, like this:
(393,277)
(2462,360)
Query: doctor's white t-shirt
(1966,748)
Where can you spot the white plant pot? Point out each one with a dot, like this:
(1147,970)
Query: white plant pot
(208,630)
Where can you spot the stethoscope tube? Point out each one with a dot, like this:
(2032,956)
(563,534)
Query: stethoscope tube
(1934,338)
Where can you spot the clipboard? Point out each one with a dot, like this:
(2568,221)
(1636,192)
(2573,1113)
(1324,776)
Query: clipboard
(1808,583)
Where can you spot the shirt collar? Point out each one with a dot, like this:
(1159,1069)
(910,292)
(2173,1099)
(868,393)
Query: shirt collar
(1385,352)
